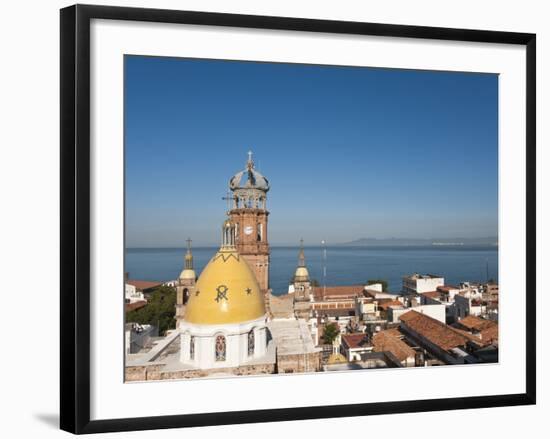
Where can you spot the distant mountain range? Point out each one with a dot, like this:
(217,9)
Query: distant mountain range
(379,242)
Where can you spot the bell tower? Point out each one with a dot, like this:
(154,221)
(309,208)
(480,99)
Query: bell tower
(248,212)
(185,285)
(303,292)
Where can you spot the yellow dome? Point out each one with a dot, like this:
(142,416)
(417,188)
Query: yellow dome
(301,272)
(227,292)
(188,274)
(336,358)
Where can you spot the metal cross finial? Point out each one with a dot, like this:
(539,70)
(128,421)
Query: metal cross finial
(249,156)
(301,242)
(188,240)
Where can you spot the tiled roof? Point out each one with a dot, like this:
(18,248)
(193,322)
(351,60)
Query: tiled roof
(386,341)
(432,294)
(433,330)
(354,341)
(341,290)
(446,288)
(394,332)
(408,316)
(135,305)
(143,284)
(386,303)
(490,335)
(476,323)
(471,337)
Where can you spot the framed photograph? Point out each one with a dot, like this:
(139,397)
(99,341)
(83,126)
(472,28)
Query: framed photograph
(258,212)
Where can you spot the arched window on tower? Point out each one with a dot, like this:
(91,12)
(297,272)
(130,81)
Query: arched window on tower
(251,345)
(260,231)
(220,348)
(185,297)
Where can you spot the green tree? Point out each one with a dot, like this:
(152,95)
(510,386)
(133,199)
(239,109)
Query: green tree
(379,281)
(159,311)
(330,332)
(314,283)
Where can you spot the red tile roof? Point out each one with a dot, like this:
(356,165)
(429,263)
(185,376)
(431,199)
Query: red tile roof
(135,305)
(143,284)
(446,288)
(354,341)
(473,338)
(476,323)
(490,335)
(432,294)
(433,330)
(387,341)
(386,303)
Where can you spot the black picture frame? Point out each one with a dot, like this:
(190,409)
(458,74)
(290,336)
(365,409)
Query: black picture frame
(75,217)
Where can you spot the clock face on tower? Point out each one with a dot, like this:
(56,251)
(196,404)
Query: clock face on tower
(248,230)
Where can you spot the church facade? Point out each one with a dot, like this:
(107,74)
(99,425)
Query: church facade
(223,325)
(224,320)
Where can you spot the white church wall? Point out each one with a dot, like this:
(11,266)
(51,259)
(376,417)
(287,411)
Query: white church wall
(236,341)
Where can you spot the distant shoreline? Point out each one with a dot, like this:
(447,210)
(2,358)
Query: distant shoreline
(328,246)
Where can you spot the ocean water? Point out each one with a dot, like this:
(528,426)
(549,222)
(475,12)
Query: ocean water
(344,265)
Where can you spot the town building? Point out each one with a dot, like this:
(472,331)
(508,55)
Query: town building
(445,343)
(296,351)
(485,330)
(421,283)
(137,290)
(468,304)
(142,288)
(354,345)
(434,310)
(392,341)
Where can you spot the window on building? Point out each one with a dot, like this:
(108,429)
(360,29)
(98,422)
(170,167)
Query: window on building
(251,342)
(220,348)
(192,347)
(259,228)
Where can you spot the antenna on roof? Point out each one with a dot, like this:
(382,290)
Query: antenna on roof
(323,243)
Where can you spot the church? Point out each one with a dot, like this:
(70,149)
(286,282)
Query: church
(227,321)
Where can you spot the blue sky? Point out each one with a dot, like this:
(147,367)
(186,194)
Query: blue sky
(350,152)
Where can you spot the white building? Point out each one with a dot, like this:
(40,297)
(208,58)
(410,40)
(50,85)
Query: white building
(468,304)
(131,294)
(420,283)
(436,311)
